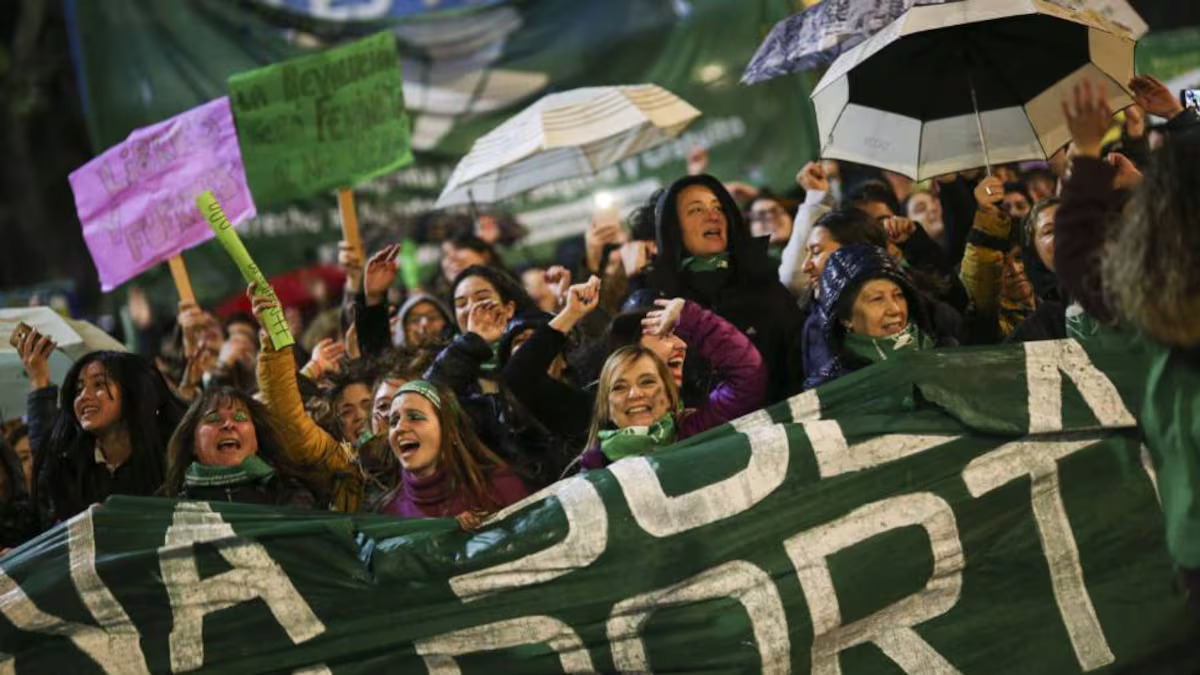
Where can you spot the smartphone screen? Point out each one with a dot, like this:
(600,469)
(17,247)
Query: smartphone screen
(1190,98)
(605,211)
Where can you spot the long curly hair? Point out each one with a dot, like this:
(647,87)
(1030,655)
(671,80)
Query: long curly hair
(1151,266)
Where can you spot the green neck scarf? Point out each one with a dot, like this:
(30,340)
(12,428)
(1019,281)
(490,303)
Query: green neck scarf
(706,263)
(634,441)
(493,364)
(251,470)
(874,350)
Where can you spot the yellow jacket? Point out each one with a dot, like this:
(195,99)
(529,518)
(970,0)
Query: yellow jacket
(328,463)
(982,271)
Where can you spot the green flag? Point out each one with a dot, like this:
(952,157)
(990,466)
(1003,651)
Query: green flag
(323,121)
(973,511)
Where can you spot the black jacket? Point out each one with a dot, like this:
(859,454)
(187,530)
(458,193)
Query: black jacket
(747,294)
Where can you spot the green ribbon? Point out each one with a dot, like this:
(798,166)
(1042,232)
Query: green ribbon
(251,470)
(422,388)
(706,263)
(874,350)
(635,441)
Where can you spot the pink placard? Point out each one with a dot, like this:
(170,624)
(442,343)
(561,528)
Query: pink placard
(137,200)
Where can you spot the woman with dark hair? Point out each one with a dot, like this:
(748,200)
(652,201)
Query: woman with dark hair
(770,216)
(446,470)
(706,254)
(638,409)
(459,253)
(106,433)
(227,449)
(869,311)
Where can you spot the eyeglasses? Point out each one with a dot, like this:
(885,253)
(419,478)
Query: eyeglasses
(767,214)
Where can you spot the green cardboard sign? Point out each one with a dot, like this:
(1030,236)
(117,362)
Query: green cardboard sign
(323,121)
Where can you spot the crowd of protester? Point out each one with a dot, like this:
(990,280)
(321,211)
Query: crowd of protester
(486,384)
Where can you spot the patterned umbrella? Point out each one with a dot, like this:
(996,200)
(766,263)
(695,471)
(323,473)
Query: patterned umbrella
(960,85)
(818,35)
(566,135)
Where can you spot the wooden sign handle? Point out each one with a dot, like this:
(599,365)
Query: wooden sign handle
(182,283)
(349,219)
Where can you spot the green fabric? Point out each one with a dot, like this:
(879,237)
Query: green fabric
(634,441)
(252,470)
(1171,422)
(709,263)
(984,510)
(423,388)
(493,363)
(319,122)
(873,350)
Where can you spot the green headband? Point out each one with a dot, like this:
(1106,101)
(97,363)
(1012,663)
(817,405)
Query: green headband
(424,389)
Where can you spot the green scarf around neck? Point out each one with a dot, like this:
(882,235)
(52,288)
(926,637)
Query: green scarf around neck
(251,470)
(493,364)
(635,441)
(705,263)
(874,350)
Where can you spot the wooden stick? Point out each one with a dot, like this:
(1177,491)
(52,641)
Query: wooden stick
(182,283)
(349,220)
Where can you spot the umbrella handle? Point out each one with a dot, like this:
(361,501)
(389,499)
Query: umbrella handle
(987,161)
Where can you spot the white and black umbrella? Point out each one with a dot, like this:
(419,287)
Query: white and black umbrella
(566,135)
(965,84)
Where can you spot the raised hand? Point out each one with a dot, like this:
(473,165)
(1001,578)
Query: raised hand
(1088,117)
(661,321)
(1135,122)
(1127,176)
(558,278)
(35,350)
(813,178)
(989,193)
(380,274)
(899,229)
(486,319)
(350,260)
(1154,97)
(259,304)
(326,359)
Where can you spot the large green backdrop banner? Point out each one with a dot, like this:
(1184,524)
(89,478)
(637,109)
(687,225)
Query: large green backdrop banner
(969,511)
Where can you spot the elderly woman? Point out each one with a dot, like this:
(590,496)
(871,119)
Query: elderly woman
(227,449)
(869,312)
(638,409)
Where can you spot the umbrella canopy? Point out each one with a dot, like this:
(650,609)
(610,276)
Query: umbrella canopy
(960,85)
(566,135)
(818,35)
(74,338)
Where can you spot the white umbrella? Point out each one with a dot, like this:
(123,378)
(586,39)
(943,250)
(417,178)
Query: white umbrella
(960,85)
(566,135)
(74,338)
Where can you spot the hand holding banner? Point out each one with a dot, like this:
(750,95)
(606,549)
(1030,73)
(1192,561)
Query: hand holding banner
(273,319)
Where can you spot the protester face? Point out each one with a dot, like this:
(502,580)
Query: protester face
(702,219)
(383,404)
(455,260)
(880,309)
(820,246)
(877,210)
(769,218)
(1016,206)
(354,406)
(423,324)
(672,350)
(24,451)
(926,209)
(534,281)
(1041,187)
(638,396)
(1043,236)
(97,402)
(1014,285)
(415,434)
(226,435)
(473,291)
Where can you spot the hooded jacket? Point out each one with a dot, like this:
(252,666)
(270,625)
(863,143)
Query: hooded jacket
(847,269)
(399,339)
(747,293)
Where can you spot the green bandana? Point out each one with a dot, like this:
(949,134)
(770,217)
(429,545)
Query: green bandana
(423,388)
(251,470)
(707,263)
(635,441)
(874,350)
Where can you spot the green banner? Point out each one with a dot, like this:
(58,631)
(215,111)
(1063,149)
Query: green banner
(324,121)
(971,511)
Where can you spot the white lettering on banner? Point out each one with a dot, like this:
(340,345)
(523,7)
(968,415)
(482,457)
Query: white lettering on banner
(835,456)
(805,407)
(891,628)
(758,418)
(1038,459)
(114,645)
(439,652)
(319,669)
(254,575)
(664,516)
(738,580)
(1043,363)
(587,537)
(8,665)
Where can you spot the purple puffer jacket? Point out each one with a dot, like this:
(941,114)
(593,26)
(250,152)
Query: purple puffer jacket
(743,386)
